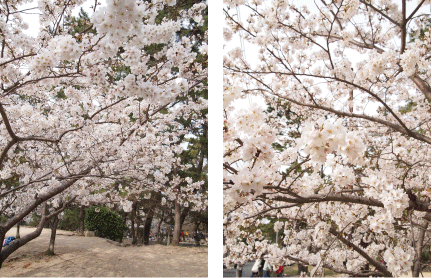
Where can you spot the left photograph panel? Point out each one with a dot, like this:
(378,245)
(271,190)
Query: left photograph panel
(104,138)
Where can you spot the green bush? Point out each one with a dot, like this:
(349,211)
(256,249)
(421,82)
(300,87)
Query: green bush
(104,222)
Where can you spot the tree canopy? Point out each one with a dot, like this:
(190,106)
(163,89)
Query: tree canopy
(89,105)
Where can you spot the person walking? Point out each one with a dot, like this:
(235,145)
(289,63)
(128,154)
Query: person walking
(239,270)
(267,269)
(256,268)
(280,271)
(261,267)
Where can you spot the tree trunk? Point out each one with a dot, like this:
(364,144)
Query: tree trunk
(159,240)
(133,216)
(418,252)
(149,218)
(81,220)
(182,219)
(54,223)
(137,230)
(141,235)
(196,237)
(177,224)
(183,215)
(17,231)
(125,217)
(147,226)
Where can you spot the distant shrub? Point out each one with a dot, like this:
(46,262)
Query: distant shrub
(104,222)
(70,220)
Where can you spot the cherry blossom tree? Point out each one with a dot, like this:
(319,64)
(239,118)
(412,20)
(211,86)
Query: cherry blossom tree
(81,108)
(340,154)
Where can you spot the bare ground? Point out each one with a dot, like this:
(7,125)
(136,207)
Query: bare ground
(93,256)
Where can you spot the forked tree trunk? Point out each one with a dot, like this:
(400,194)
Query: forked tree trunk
(177,224)
(81,220)
(2,258)
(54,224)
(125,217)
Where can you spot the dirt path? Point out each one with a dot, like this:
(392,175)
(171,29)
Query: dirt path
(93,256)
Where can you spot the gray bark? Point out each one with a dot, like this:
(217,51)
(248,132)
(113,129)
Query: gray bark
(147,226)
(81,220)
(133,217)
(17,236)
(196,227)
(159,240)
(54,224)
(177,224)
(418,252)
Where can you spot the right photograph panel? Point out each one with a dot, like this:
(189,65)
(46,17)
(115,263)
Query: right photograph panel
(327,132)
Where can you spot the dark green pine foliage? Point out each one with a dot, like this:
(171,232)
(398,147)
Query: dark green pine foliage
(285,114)
(291,118)
(197,138)
(196,152)
(79,25)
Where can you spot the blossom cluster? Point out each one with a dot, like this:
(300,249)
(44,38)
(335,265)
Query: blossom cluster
(323,137)
(395,200)
(399,261)
(60,48)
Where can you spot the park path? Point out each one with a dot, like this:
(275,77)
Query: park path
(247,270)
(93,256)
